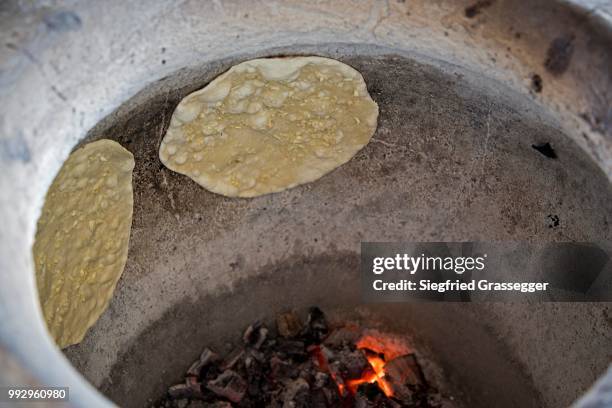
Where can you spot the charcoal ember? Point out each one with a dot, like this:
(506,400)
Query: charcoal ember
(372,353)
(269,395)
(316,328)
(324,390)
(335,370)
(420,397)
(270,346)
(308,369)
(320,380)
(207,357)
(343,336)
(250,333)
(255,335)
(193,383)
(404,370)
(406,393)
(281,369)
(263,334)
(229,385)
(297,394)
(255,377)
(306,372)
(255,355)
(318,358)
(233,358)
(361,401)
(254,361)
(300,365)
(369,391)
(370,395)
(209,372)
(259,384)
(255,392)
(405,376)
(344,364)
(179,391)
(187,390)
(322,355)
(351,363)
(194,371)
(318,399)
(292,348)
(289,325)
(332,395)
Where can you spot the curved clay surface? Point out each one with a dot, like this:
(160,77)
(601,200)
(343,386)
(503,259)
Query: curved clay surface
(451,160)
(51,102)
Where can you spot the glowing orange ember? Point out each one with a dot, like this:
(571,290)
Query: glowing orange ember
(387,346)
(377,375)
(377,350)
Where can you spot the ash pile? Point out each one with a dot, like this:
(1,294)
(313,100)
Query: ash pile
(304,364)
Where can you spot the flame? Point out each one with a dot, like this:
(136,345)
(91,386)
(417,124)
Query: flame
(377,375)
(385,345)
(376,350)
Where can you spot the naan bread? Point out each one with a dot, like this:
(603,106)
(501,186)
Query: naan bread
(270,124)
(81,242)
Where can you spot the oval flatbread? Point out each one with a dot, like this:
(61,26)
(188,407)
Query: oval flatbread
(82,236)
(270,124)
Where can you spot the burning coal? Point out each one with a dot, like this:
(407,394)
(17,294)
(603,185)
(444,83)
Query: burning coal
(307,364)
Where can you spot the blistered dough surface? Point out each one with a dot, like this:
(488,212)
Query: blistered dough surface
(270,124)
(82,238)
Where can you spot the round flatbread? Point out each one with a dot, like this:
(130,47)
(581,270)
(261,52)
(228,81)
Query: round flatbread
(81,242)
(270,124)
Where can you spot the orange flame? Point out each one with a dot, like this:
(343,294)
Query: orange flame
(371,345)
(377,375)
